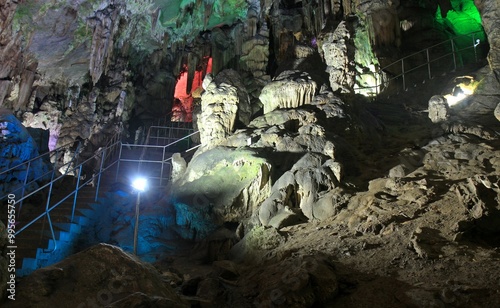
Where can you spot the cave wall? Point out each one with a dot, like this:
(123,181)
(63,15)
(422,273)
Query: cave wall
(93,64)
(490,16)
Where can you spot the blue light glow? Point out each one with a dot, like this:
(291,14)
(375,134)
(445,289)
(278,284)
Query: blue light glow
(140,184)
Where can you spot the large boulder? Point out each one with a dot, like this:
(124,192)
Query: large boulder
(439,110)
(305,190)
(219,185)
(99,276)
(290,89)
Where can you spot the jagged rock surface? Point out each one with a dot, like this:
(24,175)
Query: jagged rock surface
(290,89)
(101,275)
(219,108)
(337,50)
(438,109)
(197,194)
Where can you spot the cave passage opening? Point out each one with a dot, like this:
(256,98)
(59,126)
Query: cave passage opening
(183,104)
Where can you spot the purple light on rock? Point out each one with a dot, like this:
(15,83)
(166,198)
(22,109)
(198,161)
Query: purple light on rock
(54,135)
(314,42)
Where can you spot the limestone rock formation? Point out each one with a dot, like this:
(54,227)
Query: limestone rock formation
(48,118)
(255,243)
(244,176)
(104,26)
(219,108)
(232,77)
(490,21)
(307,182)
(290,89)
(101,275)
(439,110)
(336,49)
(255,54)
(178,166)
(497,112)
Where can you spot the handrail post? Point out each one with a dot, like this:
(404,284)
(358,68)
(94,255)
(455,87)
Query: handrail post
(157,136)
(403,73)
(453,53)
(24,189)
(47,209)
(428,62)
(162,166)
(103,154)
(76,192)
(118,164)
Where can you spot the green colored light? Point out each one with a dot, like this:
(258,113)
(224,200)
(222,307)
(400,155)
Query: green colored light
(463,19)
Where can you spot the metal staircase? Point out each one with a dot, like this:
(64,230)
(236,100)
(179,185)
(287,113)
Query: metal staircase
(52,218)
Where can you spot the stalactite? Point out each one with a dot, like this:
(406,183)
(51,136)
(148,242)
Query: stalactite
(27,79)
(207,13)
(238,36)
(347,6)
(192,63)
(178,55)
(336,7)
(102,41)
(317,20)
(307,17)
(251,22)
(154,19)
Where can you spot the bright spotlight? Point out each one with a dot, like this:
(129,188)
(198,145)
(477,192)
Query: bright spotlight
(452,100)
(140,184)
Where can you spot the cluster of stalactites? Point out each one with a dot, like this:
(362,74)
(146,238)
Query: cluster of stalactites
(302,24)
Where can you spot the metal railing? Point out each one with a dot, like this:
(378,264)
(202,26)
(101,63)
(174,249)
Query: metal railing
(161,135)
(30,176)
(103,156)
(154,155)
(440,58)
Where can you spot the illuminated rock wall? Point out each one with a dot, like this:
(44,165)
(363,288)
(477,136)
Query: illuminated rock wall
(17,147)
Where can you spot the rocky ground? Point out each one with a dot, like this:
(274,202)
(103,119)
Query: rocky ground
(423,233)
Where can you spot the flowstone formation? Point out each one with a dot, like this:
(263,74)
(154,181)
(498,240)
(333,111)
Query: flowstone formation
(290,89)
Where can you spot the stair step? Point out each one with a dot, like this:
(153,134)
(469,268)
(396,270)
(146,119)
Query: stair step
(69,227)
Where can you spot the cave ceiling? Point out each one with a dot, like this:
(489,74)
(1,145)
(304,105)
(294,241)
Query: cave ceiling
(66,38)
(60,34)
